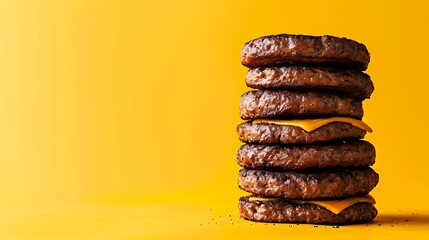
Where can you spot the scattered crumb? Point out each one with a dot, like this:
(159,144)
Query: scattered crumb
(336,226)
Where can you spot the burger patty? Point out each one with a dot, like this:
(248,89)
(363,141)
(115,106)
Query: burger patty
(353,83)
(279,134)
(292,104)
(311,184)
(287,212)
(342,154)
(283,49)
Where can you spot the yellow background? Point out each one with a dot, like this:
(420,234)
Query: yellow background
(117,118)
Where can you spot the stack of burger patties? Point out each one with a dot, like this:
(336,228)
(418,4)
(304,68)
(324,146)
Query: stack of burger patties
(303,159)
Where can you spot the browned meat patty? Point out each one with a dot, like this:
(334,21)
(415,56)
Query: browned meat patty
(279,134)
(311,184)
(284,49)
(291,104)
(341,154)
(353,83)
(288,212)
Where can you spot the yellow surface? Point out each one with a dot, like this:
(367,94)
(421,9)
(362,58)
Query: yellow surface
(118,117)
(313,124)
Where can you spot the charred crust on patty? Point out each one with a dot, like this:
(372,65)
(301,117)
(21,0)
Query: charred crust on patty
(288,212)
(298,157)
(287,49)
(353,83)
(280,134)
(310,184)
(291,104)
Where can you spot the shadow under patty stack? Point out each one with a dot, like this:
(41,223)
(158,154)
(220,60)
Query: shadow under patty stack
(303,160)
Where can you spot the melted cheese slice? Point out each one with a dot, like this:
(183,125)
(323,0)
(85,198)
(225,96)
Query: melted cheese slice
(335,206)
(313,124)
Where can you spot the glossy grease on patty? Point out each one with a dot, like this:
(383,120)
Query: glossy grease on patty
(287,49)
(289,212)
(297,157)
(288,104)
(311,184)
(353,83)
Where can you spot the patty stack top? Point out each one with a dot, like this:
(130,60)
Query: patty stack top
(303,130)
(304,77)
